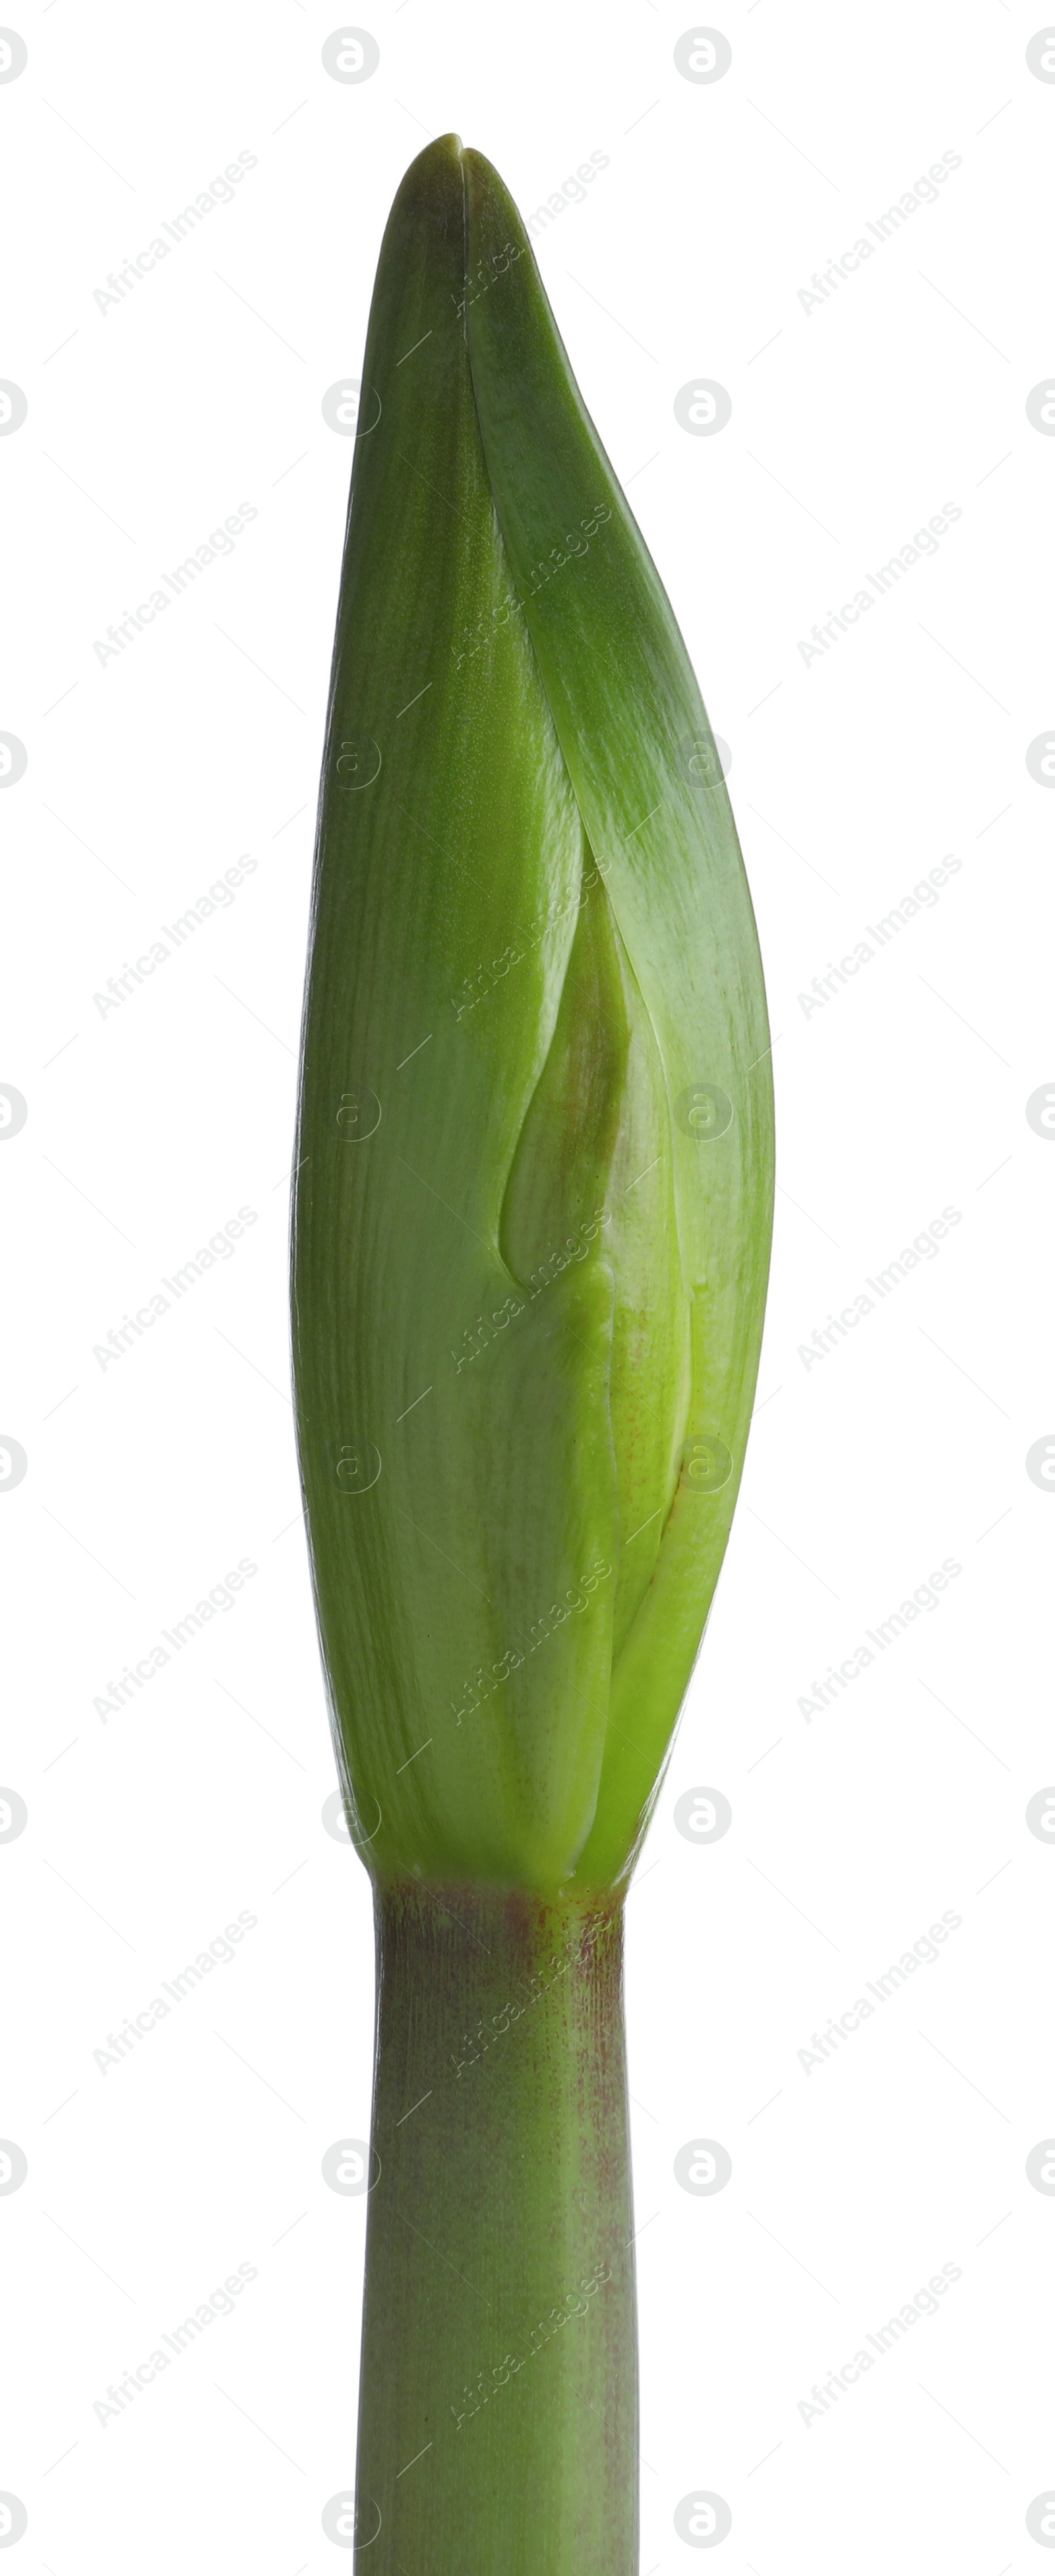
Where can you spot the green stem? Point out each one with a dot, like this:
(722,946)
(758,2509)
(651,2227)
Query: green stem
(499,2327)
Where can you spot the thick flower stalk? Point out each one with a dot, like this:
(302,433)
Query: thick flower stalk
(531,1239)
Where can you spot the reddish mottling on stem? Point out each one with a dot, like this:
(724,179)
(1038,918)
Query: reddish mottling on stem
(499,2321)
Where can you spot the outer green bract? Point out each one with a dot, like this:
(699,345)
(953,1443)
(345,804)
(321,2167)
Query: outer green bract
(535,1154)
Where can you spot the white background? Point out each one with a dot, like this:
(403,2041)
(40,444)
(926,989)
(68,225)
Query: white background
(149,1126)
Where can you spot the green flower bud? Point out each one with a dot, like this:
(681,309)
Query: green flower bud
(533,1196)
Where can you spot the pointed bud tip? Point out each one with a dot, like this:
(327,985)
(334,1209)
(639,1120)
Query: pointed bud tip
(447,147)
(429,200)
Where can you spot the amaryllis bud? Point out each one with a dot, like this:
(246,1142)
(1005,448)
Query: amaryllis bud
(532,1222)
(533,1194)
